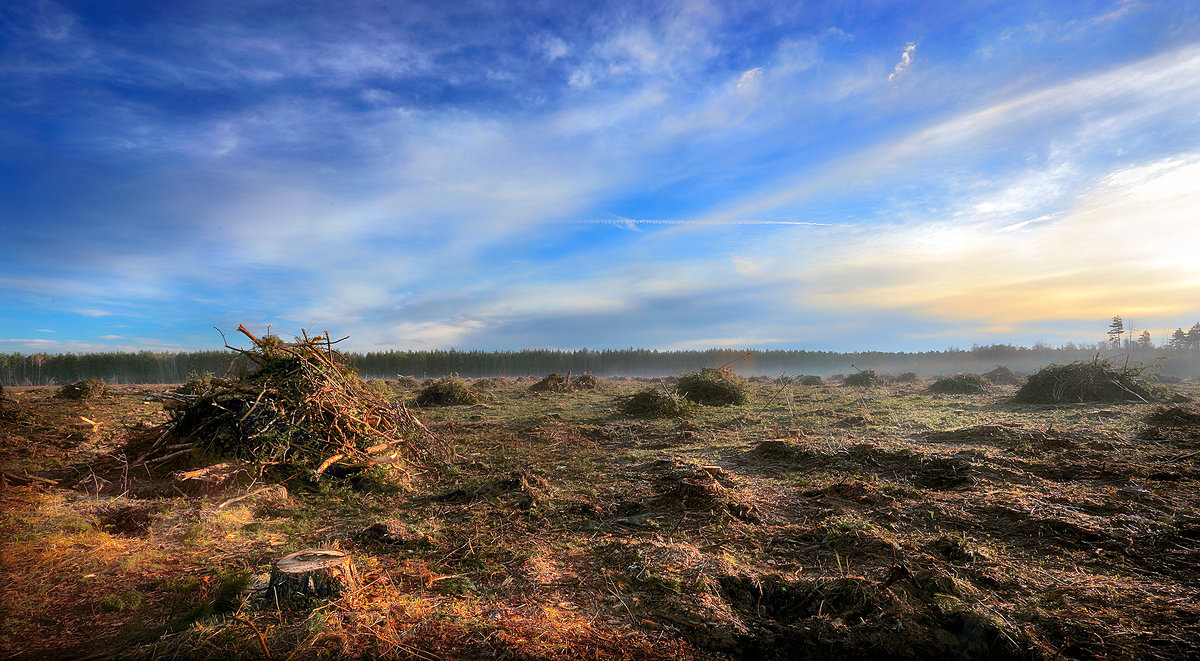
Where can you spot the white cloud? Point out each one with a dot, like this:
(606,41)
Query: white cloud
(580,79)
(552,47)
(1099,110)
(749,81)
(905,61)
(91,312)
(1126,244)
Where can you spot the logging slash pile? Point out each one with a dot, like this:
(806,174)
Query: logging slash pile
(298,405)
(1085,381)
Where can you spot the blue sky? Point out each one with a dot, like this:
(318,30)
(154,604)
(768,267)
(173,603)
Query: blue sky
(887,175)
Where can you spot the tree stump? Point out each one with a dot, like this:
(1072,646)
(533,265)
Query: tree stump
(700,491)
(313,574)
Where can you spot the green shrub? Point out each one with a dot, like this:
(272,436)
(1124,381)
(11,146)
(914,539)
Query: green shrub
(812,380)
(713,387)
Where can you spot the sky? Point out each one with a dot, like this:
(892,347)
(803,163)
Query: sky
(839,176)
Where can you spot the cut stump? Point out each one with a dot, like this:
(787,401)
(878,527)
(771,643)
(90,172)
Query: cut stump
(313,574)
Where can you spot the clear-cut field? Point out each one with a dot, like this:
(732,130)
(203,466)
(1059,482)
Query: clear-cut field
(827,521)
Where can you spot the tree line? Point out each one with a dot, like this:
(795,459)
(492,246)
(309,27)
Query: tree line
(1179,359)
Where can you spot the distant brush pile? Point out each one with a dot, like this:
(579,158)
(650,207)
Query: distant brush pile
(1002,376)
(863,379)
(1085,381)
(555,382)
(300,406)
(963,383)
(86,389)
(713,387)
(654,404)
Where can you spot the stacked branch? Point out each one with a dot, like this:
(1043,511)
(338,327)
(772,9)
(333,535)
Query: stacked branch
(299,405)
(1092,381)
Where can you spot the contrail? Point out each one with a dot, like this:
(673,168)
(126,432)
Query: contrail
(661,221)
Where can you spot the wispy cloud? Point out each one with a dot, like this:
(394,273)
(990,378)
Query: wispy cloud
(906,58)
(428,177)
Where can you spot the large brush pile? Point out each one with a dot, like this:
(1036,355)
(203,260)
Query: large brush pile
(1085,381)
(713,387)
(86,389)
(299,405)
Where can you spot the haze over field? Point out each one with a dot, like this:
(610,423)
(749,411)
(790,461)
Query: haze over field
(897,176)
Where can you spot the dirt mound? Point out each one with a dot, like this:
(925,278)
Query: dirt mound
(939,473)
(86,389)
(527,489)
(448,391)
(654,404)
(782,449)
(301,406)
(713,387)
(1174,416)
(855,617)
(962,383)
(132,519)
(997,433)
(1083,381)
(698,488)
(863,379)
(1002,376)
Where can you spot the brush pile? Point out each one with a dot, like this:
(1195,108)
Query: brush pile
(652,403)
(299,405)
(86,389)
(963,383)
(713,387)
(863,379)
(447,391)
(1002,376)
(555,382)
(1084,381)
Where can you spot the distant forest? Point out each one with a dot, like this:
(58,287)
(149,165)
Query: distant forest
(1177,359)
